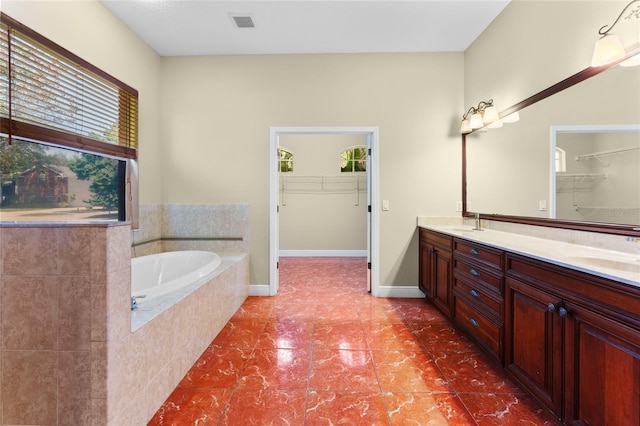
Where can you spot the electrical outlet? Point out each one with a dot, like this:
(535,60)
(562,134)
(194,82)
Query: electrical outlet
(459,206)
(542,205)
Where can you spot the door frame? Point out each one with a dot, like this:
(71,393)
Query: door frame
(372,135)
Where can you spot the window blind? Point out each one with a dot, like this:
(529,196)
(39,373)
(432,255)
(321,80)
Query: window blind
(55,97)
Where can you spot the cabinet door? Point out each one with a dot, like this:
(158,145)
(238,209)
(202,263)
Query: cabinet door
(602,373)
(441,260)
(425,269)
(533,335)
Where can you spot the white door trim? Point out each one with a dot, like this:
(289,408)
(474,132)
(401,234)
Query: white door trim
(373,189)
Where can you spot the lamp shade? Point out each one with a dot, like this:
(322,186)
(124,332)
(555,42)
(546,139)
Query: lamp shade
(495,124)
(607,50)
(465,126)
(490,115)
(476,121)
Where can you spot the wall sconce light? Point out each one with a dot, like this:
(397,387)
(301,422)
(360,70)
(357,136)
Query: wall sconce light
(485,114)
(609,48)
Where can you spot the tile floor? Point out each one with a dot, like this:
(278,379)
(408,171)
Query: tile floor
(325,352)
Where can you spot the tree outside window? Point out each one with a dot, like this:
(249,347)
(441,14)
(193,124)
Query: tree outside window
(354,159)
(285,160)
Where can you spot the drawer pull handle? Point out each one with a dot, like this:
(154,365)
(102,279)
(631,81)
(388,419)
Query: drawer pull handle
(475,251)
(475,273)
(474,293)
(551,307)
(563,312)
(474,322)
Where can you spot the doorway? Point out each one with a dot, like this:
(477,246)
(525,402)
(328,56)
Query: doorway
(371,137)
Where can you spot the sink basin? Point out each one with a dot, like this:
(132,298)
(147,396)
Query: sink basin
(603,262)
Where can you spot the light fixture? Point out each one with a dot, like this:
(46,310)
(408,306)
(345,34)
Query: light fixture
(476,118)
(511,118)
(608,48)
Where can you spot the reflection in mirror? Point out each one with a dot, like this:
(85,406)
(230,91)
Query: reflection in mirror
(508,169)
(596,174)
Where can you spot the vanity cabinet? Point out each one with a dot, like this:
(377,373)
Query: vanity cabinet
(573,341)
(435,268)
(478,294)
(570,338)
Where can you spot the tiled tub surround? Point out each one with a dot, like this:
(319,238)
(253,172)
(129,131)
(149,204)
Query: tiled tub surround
(68,353)
(556,246)
(221,228)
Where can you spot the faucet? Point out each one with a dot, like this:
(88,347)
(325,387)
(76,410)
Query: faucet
(477,227)
(134,304)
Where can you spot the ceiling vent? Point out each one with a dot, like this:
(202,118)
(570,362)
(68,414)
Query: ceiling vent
(243,20)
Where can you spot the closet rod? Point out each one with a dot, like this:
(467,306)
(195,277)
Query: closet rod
(604,153)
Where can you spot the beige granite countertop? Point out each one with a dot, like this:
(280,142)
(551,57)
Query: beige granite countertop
(615,265)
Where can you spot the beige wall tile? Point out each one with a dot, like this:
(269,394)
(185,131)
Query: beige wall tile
(74,388)
(118,244)
(98,256)
(29,384)
(74,313)
(99,313)
(74,249)
(30,313)
(29,251)
(119,304)
(98,412)
(99,369)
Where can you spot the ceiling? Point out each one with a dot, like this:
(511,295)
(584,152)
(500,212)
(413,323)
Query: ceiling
(205,27)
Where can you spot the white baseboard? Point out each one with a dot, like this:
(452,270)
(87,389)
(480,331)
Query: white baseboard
(400,291)
(385,291)
(259,290)
(323,253)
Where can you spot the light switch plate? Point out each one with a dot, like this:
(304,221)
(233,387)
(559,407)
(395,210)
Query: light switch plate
(385,205)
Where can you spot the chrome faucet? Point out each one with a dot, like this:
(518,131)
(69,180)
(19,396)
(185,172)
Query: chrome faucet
(477,227)
(134,304)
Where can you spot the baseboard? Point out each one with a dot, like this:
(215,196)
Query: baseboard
(322,253)
(400,292)
(258,290)
(384,291)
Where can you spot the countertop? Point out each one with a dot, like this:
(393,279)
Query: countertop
(613,265)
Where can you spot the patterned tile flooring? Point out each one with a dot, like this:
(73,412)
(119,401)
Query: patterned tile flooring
(325,352)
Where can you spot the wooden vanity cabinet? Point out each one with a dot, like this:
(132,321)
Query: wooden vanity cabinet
(573,341)
(435,268)
(478,294)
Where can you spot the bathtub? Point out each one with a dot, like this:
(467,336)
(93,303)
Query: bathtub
(159,274)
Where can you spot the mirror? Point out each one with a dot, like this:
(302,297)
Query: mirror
(509,173)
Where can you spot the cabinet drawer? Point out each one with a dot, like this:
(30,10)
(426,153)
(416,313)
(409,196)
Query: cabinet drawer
(476,292)
(489,256)
(436,238)
(475,273)
(487,333)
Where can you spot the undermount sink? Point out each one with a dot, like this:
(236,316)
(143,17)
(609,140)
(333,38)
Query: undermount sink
(603,262)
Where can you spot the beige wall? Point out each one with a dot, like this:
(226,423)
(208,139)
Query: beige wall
(216,142)
(89,30)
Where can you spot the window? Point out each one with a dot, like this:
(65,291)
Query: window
(354,159)
(56,97)
(561,160)
(62,121)
(285,160)
(45,183)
